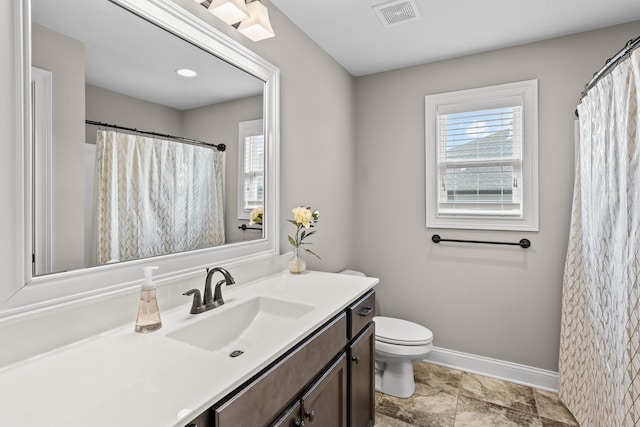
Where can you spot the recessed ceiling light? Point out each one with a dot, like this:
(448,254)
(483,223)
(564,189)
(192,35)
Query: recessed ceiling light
(185,72)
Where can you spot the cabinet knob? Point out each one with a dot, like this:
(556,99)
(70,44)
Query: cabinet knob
(356,359)
(310,414)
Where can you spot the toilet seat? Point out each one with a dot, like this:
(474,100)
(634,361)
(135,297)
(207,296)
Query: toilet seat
(401,332)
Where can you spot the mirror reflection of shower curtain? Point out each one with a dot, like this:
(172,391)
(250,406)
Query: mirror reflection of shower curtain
(600,334)
(155,197)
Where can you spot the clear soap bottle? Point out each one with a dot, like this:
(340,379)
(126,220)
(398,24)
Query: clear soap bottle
(148,313)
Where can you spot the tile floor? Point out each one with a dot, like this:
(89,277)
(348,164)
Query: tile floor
(449,398)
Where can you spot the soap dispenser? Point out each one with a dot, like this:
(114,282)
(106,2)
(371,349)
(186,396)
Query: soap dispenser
(148,313)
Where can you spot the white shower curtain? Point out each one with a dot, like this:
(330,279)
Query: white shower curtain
(155,197)
(600,336)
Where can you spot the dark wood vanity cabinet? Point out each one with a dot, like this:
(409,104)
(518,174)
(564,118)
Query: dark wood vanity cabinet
(325,381)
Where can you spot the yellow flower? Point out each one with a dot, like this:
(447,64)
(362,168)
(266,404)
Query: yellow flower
(302,216)
(256,216)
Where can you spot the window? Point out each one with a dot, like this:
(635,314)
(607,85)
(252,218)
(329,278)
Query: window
(481,152)
(250,167)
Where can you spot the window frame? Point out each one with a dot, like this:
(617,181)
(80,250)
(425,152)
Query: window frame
(485,98)
(246,129)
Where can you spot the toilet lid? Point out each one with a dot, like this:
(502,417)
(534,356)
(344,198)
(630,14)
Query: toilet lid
(401,332)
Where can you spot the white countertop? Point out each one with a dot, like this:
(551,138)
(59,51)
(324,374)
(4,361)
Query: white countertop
(122,378)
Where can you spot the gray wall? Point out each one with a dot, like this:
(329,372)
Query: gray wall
(64,57)
(499,302)
(103,105)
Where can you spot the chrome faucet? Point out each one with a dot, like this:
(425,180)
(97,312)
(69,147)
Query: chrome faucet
(211,299)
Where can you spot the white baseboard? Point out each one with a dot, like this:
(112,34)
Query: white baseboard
(512,372)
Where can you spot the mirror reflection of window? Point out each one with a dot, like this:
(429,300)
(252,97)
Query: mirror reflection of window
(251,167)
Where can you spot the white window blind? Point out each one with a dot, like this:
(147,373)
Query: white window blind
(254,171)
(480,162)
(481,149)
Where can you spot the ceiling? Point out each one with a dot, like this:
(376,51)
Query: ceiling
(128,55)
(350,31)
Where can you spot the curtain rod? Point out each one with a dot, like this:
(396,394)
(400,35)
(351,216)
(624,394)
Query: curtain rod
(220,147)
(609,65)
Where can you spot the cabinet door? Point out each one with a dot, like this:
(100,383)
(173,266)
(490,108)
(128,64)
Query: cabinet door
(291,418)
(362,379)
(325,404)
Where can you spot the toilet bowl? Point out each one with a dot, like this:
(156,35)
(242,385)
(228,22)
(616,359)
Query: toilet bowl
(398,345)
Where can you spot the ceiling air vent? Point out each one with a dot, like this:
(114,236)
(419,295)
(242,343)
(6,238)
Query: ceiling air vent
(397,11)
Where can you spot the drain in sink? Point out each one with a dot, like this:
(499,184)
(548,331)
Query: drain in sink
(236,353)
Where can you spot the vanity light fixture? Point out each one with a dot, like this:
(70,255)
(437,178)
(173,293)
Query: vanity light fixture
(257,26)
(250,17)
(230,11)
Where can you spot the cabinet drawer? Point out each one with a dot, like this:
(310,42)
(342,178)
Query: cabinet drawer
(260,401)
(360,313)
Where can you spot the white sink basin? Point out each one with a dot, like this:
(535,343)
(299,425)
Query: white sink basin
(250,324)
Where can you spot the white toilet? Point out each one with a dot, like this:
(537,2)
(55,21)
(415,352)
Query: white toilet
(399,344)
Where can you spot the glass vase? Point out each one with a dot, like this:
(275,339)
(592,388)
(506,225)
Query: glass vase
(296,263)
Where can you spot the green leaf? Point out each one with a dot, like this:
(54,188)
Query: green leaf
(293,242)
(312,253)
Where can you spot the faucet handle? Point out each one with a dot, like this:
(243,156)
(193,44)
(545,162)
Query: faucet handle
(196,305)
(217,297)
